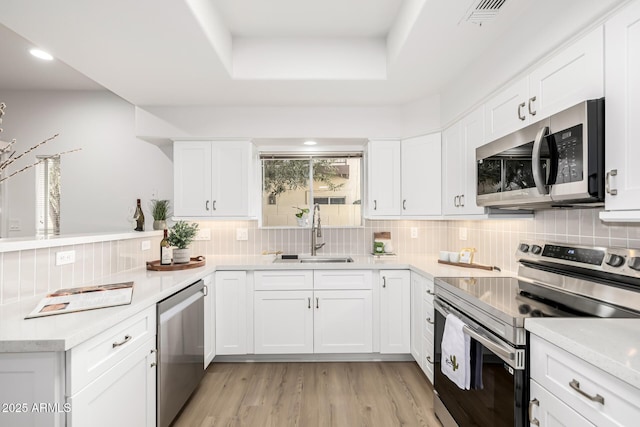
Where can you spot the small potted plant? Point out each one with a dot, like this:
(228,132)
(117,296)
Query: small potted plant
(160,210)
(302,216)
(180,236)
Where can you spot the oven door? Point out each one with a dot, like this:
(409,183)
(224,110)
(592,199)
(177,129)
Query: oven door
(500,401)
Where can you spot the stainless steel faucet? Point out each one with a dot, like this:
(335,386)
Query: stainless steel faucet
(316,231)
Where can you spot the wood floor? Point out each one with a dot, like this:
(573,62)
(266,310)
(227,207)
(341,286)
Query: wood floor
(346,394)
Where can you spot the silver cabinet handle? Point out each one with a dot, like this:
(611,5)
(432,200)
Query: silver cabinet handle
(317,305)
(309,302)
(384,282)
(430,292)
(429,360)
(429,321)
(532,403)
(531,101)
(538,174)
(456,201)
(206,206)
(156,362)
(214,205)
(607,186)
(462,200)
(375,205)
(520,115)
(205,291)
(126,339)
(574,384)
(404,204)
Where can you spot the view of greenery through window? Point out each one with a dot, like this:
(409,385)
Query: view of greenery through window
(291,186)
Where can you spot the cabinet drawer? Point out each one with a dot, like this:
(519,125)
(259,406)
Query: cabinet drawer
(270,280)
(556,369)
(342,279)
(429,319)
(548,410)
(429,291)
(92,358)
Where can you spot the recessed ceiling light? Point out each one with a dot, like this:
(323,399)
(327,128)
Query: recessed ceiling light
(310,143)
(41,54)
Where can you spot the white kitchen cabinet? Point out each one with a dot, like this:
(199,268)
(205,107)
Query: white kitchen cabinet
(343,322)
(428,323)
(124,396)
(384,172)
(395,311)
(209,320)
(622,131)
(404,177)
(417,290)
(595,396)
(212,178)
(459,143)
(283,322)
(572,75)
(232,332)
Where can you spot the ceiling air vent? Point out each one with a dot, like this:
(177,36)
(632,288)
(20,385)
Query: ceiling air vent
(481,11)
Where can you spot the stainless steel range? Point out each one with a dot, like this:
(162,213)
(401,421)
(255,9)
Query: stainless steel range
(554,280)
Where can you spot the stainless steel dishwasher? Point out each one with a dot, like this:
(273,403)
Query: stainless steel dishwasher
(180,349)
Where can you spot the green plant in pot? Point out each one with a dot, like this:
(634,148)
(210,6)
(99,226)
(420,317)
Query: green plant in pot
(160,210)
(180,236)
(302,216)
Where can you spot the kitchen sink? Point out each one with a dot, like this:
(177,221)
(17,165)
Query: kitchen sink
(314,259)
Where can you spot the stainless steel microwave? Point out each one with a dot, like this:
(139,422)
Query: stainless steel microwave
(556,162)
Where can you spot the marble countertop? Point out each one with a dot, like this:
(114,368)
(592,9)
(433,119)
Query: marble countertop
(62,332)
(612,345)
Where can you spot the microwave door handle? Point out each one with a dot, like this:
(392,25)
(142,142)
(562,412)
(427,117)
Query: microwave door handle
(538,174)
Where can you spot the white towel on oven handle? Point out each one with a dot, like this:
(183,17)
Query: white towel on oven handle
(455,362)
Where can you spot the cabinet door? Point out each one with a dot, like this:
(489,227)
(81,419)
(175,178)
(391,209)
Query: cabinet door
(622,132)
(343,322)
(209,321)
(283,322)
(421,175)
(124,396)
(395,311)
(573,75)
(417,290)
(472,136)
(548,410)
(192,178)
(384,178)
(230,170)
(507,111)
(231,312)
(452,158)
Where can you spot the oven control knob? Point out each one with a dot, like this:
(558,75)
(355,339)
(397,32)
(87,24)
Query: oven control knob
(535,249)
(524,247)
(634,263)
(614,260)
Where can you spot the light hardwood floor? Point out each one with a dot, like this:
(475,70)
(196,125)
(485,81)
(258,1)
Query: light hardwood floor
(348,394)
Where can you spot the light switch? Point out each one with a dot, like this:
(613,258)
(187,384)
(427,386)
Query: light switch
(203,234)
(414,232)
(462,233)
(242,234)
(65,257)
(145,245)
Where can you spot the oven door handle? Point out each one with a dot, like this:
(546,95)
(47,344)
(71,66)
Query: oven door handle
(538,174)
(513,357)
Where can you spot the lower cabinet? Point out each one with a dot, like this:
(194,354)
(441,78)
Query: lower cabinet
(395,311)
(231,312)
(209,320)
(547,410)
(422,323)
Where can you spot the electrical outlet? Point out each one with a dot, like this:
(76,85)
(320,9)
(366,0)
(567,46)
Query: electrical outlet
(414,232)
(462,233)
(65,257)
(145,245)
(203,234)
(242,234)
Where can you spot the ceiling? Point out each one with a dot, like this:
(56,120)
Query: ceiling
(277,52)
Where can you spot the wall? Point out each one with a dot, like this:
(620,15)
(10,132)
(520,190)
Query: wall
(100,183)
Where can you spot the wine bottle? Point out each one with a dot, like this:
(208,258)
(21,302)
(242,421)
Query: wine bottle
(139,217)
(165,250)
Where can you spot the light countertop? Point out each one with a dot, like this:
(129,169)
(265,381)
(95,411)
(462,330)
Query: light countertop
(612,345)
(62,332)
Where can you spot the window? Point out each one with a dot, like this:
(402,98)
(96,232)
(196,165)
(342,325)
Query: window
(292,184)
(48,195)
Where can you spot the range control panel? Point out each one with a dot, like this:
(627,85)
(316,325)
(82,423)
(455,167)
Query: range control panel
(621,260)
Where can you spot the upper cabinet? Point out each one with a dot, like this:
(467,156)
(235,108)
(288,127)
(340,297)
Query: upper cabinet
(211,178)
(459,143)
(569,77)
(404,177)
(622,113)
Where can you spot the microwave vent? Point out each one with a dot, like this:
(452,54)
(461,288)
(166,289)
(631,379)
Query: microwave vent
(481,11)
